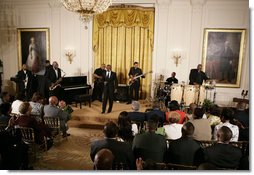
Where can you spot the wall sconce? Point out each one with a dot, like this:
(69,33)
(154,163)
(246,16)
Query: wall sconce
(70,54)
(177,55)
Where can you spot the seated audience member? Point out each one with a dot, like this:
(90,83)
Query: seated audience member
(226,117)
(203,130)
(223,154)
(156,111)
(241,119)
(135,115)
(174,106)
(103,160)
(173,129)
(25,120)
(16,103)
(62,105)
(51,110)
(191,110)
(185,150)
(5,97)
(37,104)
(213,115)
(150,145)
(5,110)
(126,129)
(121,150)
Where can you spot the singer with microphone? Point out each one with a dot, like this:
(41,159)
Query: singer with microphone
(54,78)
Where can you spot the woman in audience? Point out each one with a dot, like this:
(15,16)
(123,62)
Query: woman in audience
(15,105)
(37,104)
(174,106)
(173,129)
(226,117)
(5,110)
(202,126)
(126,129)
(25,120)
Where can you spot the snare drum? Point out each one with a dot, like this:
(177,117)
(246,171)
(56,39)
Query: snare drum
(167,88)
(190,92)
(176,92)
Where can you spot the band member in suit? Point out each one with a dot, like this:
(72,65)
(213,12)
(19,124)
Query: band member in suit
(197,76)
(172,79)
(110,85)
(98,83)
(54,77)
(24,77)
(135,82)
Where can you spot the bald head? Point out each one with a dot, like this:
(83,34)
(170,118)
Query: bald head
(103,160)
(53,100)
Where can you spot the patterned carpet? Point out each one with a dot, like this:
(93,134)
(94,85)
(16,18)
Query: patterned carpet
(72,153)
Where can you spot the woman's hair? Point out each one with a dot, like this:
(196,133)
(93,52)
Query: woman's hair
(24,107)
(198,113)
(125,126)
(173,105)
(174,117)
(36,97)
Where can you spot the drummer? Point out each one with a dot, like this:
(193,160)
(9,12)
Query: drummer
(172,79)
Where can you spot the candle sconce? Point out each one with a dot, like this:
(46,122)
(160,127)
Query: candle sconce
(177,55)
(70,54)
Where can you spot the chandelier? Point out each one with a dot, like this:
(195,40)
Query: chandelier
(86,8)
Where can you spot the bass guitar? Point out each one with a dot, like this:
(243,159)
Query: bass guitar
(134,78)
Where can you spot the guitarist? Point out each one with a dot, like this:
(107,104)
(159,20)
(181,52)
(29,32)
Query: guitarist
(135,82)
(98,83)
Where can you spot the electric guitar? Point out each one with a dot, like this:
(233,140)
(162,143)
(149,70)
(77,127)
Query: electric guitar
(133,79)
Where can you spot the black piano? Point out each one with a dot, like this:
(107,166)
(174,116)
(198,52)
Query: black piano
(74,86)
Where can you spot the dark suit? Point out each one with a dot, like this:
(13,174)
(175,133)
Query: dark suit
(52,78)
(197,77)
(185,151)
(149,145)
(137,116)
(110,84)
(121,150)
(136,83)
(51,74)
(223,155)
(21,76)
(161,115)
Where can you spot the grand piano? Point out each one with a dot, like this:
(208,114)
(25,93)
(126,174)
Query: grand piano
(74,86)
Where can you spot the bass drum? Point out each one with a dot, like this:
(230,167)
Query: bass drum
(176,92)
(190,94)
(200,95)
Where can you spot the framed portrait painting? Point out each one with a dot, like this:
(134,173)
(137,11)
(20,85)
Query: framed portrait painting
(33,48)
(223,52)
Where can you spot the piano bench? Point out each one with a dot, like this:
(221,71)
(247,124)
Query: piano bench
(83,98)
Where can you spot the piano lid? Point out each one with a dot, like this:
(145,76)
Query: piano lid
(74,81)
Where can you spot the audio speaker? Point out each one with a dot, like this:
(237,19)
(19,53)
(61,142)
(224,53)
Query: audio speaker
(122,93)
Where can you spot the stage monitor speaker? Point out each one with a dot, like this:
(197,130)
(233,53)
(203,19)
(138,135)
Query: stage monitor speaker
(122,93)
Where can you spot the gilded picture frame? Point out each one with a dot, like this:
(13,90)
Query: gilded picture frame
(33,48)
(223,53)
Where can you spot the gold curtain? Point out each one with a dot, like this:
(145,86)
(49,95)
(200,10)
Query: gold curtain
(122,36)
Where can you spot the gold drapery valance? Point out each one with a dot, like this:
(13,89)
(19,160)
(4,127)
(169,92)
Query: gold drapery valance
(125,17)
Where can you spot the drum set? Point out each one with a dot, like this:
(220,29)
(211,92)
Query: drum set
(185,94)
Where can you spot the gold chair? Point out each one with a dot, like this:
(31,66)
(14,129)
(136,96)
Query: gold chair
(54,124)
(28,137)
(172,166)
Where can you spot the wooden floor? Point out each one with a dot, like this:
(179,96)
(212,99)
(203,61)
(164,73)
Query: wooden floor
(92,117)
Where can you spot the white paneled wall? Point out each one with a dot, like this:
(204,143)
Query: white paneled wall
(179,25)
